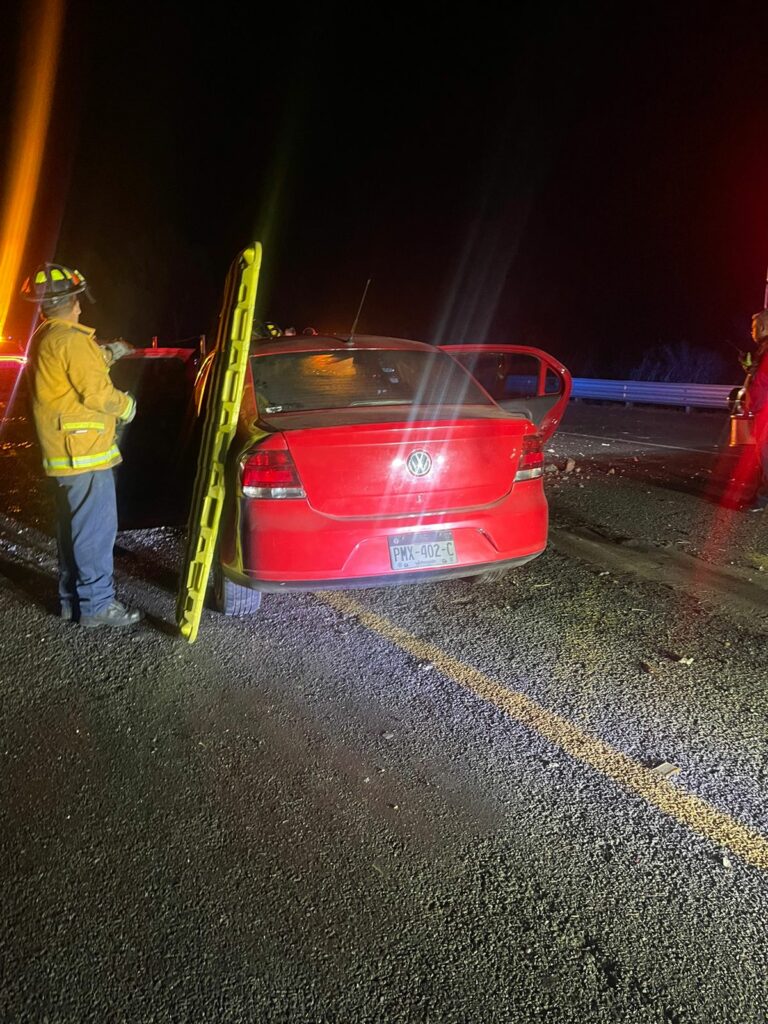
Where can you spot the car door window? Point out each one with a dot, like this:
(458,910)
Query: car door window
(520,379)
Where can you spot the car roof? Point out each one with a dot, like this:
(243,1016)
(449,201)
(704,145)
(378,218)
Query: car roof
(330,342)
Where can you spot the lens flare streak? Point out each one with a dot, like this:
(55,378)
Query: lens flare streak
(39,60)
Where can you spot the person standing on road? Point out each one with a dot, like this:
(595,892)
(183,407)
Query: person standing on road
(76,410)
(757,404)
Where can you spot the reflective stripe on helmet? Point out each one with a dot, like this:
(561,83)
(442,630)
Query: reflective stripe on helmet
(52,281)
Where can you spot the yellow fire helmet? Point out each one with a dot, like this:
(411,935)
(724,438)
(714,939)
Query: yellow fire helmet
(272,330)
(266,329)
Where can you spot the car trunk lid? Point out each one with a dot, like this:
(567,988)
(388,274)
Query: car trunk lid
(406,468)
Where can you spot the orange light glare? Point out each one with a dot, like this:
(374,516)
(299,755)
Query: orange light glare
(39,59)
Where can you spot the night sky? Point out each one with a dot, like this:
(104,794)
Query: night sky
(594,181)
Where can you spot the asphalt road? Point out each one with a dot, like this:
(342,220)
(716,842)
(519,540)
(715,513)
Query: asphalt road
(440,803)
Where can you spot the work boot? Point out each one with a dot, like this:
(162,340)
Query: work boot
(115,614)
(758,505)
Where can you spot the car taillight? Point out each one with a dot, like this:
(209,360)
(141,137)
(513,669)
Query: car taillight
(270,474)
(531,459)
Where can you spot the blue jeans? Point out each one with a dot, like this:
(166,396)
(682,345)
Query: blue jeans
(86,528)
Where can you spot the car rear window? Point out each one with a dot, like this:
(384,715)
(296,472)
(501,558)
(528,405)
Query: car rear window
(361,377)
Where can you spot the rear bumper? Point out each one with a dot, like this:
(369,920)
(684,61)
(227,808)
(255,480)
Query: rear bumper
(283,544)
(391,579)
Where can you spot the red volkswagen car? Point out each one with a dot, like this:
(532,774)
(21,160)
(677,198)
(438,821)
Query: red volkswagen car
(383,461)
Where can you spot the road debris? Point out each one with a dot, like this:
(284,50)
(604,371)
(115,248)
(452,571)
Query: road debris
(570,465)
(681,659)
(665,770)
(387,735)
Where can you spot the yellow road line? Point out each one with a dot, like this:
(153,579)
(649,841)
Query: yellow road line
(686,808)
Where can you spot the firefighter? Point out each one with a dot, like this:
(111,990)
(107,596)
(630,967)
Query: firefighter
(265,329)
(76,410)
(757,404)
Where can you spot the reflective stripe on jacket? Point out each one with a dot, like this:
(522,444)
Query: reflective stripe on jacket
(74,403)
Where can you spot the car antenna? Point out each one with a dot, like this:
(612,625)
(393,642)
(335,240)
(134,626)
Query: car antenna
(351,337)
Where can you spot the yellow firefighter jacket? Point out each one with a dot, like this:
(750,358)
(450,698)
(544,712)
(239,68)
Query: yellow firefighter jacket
(74,403)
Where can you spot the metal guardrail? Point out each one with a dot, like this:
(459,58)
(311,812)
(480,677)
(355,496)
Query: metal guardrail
(691,396)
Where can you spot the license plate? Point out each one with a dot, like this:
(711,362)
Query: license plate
(422,550)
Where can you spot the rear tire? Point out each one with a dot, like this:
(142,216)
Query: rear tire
(232,599)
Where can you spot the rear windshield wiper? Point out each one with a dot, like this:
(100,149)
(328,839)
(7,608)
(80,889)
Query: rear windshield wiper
(382,401)
(285,407)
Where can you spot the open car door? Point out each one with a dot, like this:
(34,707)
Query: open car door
(154,481)
(521,379)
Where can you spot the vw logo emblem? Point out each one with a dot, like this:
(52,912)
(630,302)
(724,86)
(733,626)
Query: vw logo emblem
(418,463)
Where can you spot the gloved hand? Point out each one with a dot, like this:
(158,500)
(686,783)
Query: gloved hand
(130,414)
(118,349)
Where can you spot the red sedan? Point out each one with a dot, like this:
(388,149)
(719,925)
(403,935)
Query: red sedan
(384,461)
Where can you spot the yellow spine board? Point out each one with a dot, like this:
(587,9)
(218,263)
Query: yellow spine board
(226,391)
